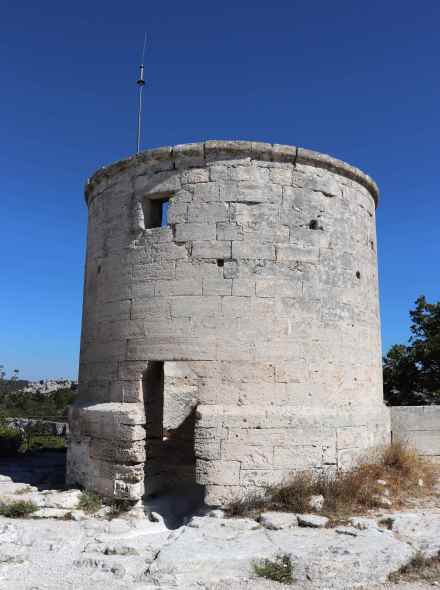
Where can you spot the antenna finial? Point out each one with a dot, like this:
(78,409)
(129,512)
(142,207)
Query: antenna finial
(141,83)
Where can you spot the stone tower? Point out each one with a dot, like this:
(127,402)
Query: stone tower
(230,328)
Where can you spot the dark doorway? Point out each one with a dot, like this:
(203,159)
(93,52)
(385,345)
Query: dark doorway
(170,479)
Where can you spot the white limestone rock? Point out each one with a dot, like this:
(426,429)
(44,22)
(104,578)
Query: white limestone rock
(316,502)
(421,529)
(50,513)
(278,520)
(66,500)
(216,513)
(346,530)
(362,523)
(9,488)
(312,520)
(77,515)
(120,554)
(324,558)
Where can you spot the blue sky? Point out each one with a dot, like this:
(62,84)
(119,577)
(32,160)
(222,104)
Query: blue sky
(358,80)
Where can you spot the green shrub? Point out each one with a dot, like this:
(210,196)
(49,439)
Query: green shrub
(90,502)
(18,509)
(22,404)
(40,442)
(279,569)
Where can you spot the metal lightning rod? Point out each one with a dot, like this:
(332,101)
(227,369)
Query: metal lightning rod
(141,84)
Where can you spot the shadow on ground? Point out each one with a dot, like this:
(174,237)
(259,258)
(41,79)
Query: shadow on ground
(178,505)
(43,469)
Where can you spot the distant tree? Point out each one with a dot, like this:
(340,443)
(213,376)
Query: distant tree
(15,375)
(412,372)
(2,372)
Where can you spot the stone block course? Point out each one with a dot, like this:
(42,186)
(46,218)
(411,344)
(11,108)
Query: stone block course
(418,426)
(195,231)
(208,213)
(229,231)
(211,249)
(217,287)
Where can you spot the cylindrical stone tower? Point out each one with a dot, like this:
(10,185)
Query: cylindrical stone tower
(231,331)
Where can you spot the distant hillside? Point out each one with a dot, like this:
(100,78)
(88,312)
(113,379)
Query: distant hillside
(43,386)
(11,385)
(23,399)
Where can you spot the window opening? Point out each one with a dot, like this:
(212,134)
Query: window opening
(155,211)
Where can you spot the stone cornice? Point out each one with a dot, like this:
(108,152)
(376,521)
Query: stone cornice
(197,154)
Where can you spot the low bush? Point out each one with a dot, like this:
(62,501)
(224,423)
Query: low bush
(279,569)
(25,404)
(90,502)
(46,442)
(347,492)
(17,509)
(119,507)
(251,505)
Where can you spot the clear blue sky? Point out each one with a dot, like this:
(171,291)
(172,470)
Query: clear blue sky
(357,80)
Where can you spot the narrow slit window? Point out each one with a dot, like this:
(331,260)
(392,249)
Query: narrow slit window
(155,211)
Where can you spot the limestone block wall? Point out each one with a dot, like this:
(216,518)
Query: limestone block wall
(419,426)
(244,334)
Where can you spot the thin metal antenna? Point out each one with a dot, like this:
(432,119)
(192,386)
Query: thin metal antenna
(141,84)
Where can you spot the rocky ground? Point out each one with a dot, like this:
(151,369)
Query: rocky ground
(47,552)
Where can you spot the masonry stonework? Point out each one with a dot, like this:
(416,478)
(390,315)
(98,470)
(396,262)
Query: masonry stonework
(418,427)
(240,341)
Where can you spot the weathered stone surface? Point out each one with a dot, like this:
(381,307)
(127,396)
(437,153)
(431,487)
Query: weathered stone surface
(217,513)
(419,427)
(420,529)
(325,558)
(67,500)
(50,513)
(116,554)
(278,520)
(362,523)
(9,487)
(312,520)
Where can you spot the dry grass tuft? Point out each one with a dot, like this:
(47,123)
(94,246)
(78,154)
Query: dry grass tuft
(350,492)
(251,505)
(119,507)
(419,568)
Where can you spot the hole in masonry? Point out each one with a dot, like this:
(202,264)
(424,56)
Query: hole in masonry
(314,224)
(220,262)
(98,270)
(155,209)
(358,274)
